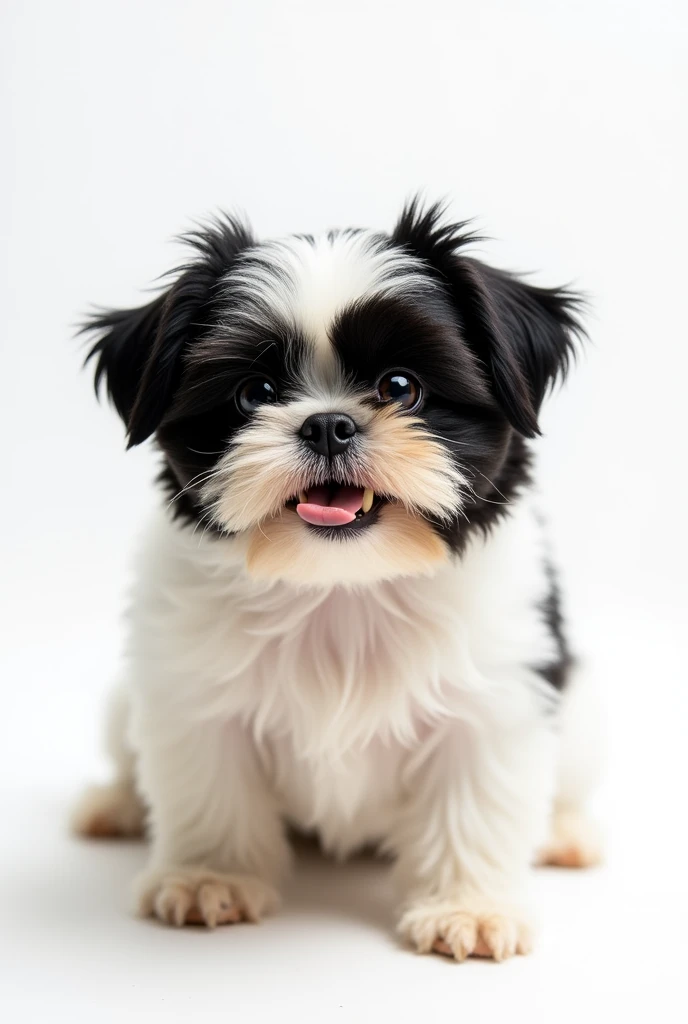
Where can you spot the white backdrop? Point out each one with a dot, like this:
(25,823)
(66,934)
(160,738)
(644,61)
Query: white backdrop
(561,128)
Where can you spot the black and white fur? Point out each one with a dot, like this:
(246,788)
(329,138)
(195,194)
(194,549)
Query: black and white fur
(404,681)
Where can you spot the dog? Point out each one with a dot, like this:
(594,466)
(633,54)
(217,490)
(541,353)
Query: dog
(345,619)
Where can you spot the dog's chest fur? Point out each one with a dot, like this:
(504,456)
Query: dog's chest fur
(342,690)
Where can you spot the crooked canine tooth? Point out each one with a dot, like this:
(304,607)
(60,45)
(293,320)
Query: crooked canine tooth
(303,497)
(368,498)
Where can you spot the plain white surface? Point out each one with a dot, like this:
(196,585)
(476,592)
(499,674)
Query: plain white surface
(560,127)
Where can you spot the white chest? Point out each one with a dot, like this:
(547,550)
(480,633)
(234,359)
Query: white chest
(339,689)
(349,802)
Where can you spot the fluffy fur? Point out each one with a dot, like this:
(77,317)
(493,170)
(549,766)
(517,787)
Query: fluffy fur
(402,680)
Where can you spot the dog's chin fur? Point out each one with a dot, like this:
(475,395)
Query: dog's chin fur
(403,680)
(398,544)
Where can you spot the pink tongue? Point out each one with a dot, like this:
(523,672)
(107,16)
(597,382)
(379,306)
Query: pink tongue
(323,509)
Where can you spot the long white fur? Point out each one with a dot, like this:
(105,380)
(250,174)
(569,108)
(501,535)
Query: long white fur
(380,702)
(406,713)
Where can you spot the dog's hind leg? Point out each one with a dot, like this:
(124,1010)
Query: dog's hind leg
(114,809)
(574,840)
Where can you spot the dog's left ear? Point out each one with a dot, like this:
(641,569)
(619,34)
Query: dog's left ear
(524,336)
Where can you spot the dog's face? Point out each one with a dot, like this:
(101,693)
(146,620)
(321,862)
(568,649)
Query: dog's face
(347,407)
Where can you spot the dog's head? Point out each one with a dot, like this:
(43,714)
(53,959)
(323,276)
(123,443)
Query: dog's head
(350,406)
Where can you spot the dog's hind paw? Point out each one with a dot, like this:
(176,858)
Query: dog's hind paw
(109,812)
(574,842)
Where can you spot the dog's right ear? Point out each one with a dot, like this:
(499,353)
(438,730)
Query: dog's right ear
(122,351)
(139,352)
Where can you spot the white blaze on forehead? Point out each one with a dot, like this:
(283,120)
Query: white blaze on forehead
(306,282)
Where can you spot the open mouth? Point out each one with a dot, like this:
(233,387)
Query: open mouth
(336,504)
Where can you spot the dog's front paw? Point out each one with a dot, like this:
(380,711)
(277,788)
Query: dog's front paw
(196,895)
(462,928)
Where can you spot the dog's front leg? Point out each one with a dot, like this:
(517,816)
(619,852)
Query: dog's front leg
(477,807)
(218,847)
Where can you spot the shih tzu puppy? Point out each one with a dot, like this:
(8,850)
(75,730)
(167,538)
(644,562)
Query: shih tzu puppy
(345,620)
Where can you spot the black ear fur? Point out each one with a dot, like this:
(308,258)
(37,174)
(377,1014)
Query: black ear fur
(138,351)
(523,335)
(125,341)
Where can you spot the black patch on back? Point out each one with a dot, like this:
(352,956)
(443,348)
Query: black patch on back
(557,672)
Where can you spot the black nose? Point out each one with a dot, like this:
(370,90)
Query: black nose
(328,433)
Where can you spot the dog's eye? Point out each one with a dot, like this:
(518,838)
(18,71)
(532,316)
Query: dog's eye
(255,392)
(399,387)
